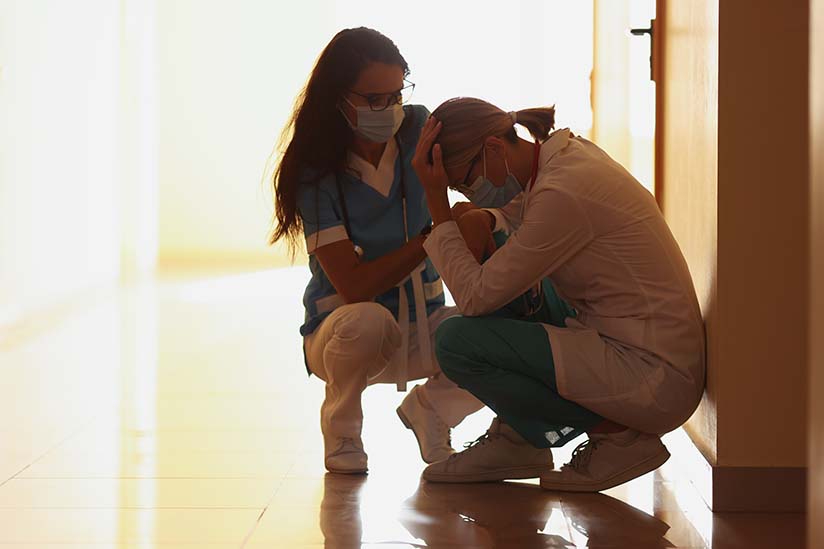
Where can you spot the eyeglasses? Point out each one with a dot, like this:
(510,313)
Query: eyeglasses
(464,187)
(382,101)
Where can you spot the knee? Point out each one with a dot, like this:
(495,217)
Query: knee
(368,332)
(448,332)
(450,346)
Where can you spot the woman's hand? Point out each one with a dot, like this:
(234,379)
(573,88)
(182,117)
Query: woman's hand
(432,175)
(476,229)
(461,208)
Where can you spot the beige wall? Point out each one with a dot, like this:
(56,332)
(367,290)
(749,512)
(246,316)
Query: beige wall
(622,93)
(690,165)
(138,134)
(228,74)
(735,196)
(59,82)
(762,233)
(77,151)
(816,473)
(610,79)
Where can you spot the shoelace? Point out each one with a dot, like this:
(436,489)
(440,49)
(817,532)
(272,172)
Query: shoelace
(468,446)
(447,428)
(347,441)
(582,455)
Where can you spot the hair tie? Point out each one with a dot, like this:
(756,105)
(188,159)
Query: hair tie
(513,116)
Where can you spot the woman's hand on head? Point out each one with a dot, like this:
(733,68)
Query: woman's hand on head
(431,174)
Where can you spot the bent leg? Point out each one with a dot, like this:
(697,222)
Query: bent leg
(451,403)
(353,344)
(508,365)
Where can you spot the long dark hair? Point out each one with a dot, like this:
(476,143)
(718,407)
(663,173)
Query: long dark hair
(317,137)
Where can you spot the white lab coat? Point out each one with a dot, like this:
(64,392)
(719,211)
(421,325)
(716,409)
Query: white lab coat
(635,354)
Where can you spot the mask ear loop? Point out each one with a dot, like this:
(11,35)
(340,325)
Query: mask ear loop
(506,163)
(343,113)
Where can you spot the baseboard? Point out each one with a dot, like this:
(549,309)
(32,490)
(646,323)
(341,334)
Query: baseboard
(740,489)
(759,489)
(170,263)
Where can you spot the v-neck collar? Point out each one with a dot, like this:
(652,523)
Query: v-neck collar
(380,178)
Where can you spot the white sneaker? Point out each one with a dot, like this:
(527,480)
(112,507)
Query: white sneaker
(500,454)
(607,460)
(346,456)
(434,436)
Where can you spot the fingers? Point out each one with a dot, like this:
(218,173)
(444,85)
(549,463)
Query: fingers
(429,133)
(479,239)
(427,137)
(431,173)
(437,161)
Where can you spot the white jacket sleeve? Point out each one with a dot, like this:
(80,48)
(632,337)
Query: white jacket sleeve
(508,218)
(555,227)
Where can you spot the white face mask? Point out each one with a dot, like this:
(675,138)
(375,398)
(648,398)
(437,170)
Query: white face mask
(376,126)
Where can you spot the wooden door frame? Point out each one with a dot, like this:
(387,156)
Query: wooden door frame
(658,75)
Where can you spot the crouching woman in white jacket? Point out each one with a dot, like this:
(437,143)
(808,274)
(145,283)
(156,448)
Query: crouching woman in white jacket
(625,362)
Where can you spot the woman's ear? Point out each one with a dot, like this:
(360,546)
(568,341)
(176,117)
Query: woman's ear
(494,145)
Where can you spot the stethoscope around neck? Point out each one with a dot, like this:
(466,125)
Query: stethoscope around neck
(345,211)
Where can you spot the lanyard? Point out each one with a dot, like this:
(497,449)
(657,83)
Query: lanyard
(534,297)
(533,178)
(534,166)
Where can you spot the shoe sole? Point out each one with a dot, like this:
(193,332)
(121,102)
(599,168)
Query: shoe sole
(648,465)
(498,475)
(348,471)
(408,425)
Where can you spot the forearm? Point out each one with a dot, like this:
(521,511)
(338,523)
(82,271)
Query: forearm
(438,203)
(373,278)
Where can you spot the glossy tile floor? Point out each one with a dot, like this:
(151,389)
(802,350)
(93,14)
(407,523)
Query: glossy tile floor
(178,414)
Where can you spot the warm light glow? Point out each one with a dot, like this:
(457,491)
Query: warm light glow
(528,53)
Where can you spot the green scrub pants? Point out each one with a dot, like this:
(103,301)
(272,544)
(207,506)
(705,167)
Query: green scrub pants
(505,360)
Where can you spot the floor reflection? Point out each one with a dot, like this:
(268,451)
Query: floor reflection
(602,520)
(487,515)
(506,514)
(340,515)
(180,415)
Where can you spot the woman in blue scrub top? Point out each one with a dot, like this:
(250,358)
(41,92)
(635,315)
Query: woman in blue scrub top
(345,185)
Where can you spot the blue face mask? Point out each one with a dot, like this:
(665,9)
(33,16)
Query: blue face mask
(484,194)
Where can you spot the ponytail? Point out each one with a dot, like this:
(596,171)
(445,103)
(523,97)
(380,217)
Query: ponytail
(538,121)
(467,122)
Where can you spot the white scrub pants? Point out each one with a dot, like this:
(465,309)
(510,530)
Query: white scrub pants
(354,347)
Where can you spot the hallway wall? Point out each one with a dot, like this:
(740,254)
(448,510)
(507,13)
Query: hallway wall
(59,82)
(229,74)
(736,198)
(763,167)
(815,489)
(690,197)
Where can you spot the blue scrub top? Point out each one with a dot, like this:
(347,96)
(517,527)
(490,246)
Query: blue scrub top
(376,223)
